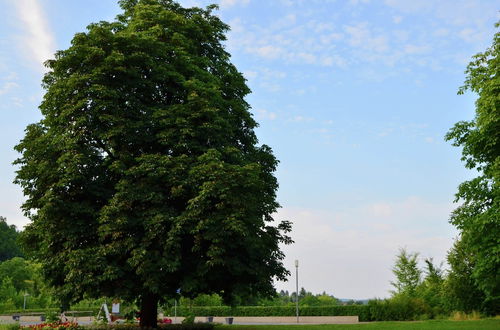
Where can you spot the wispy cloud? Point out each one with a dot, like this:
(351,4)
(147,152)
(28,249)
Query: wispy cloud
(300,119)
(361,36)
(37,41)
(230,3)
(411,36)
(263,114)
(6,87)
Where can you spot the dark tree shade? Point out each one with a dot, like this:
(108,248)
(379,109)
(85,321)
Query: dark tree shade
(144,175)
(9,247)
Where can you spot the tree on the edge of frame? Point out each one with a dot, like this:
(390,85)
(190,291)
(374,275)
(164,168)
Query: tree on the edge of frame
(478,217)
(145,174)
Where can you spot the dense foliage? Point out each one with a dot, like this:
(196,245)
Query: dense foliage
(21,282)
(145,175)
(8,241)
(478,216)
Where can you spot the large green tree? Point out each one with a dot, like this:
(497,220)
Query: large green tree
(145,175)
(478,217)
(9,247)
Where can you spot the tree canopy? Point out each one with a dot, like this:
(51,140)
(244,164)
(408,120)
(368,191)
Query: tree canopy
(478,217)
(9,247)
(144,175)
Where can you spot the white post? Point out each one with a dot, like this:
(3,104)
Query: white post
(297,289)
(24,304)
(175,310)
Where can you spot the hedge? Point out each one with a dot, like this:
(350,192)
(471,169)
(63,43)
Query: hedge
(395,309)
(353,310)
(81,312)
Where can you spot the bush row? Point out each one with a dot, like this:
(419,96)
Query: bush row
(401,309)
(82,312)
(396,309)
(360,310)
(30,310)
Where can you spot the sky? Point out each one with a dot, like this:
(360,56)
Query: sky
(354,97)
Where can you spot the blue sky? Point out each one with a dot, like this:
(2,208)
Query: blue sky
(354,97)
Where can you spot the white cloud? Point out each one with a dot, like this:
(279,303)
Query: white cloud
(6,87)
(286,21)
(381,210)
(270,86)
(18,102)
(230,3)
(301,37)
(414,49)
(268,51)
(307,57)
(357,2)
(361,36)
(249,74)
(236,25)
(38,42)
(301,119)
(401,35)
(469,35)
(334,60)
(473,16)
(409,6)
(442,32)
(331,37)
(263,114)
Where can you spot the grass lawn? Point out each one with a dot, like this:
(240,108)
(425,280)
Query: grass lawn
(493,324)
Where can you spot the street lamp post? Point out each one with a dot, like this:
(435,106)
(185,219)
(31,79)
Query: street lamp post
(297,289)
(24,304)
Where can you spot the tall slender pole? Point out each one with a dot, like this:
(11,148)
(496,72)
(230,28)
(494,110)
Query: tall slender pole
(175,310)
(24,304)
(297,289)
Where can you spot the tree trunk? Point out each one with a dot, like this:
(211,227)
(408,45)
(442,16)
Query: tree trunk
(149,305)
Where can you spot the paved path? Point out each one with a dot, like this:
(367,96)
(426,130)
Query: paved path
(246,320)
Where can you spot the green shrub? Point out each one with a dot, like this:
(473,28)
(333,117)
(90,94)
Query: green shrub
(12,326)
(401,308)
(188,319)
(51,316)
